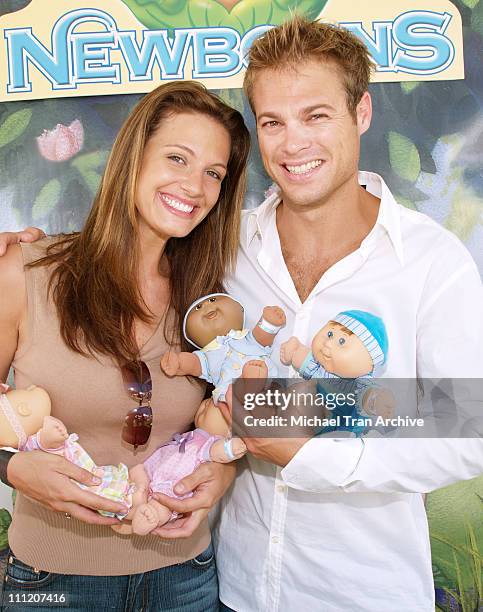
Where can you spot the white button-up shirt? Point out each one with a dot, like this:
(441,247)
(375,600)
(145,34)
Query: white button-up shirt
(343,525)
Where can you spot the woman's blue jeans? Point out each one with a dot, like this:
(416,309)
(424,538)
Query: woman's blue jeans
(188,587)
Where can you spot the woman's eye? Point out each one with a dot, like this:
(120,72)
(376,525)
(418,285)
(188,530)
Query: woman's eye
(213,299)
(214,174)
(176,158)
(341,341)
(330,334)
(198,307)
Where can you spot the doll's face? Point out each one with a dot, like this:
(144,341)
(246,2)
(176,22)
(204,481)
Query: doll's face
(341,352)
(215,316)
(30,406)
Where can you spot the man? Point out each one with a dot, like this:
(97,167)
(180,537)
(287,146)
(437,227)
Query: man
(340,524)
(327,524)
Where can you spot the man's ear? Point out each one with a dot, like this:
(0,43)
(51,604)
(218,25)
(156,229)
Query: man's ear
(364,113)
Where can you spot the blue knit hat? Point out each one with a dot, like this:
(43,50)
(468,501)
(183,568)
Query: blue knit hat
(369,329)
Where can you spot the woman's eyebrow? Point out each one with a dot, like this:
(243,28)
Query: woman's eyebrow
(188,150)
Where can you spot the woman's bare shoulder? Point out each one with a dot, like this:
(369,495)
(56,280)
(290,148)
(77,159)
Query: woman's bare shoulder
(12,281)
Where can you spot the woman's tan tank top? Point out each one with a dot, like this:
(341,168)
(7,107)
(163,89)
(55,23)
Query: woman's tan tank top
(88,396)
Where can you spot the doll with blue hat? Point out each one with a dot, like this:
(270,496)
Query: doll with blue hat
(226,350)
(350,347)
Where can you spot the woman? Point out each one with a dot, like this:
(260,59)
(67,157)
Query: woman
(162,231)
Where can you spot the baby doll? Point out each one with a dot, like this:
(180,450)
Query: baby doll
(172,462)
(26,424)
(214,324)
(350,346)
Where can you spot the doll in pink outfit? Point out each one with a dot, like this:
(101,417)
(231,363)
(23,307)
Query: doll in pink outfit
(168,465)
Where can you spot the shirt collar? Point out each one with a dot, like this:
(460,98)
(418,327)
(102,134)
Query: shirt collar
(388,217)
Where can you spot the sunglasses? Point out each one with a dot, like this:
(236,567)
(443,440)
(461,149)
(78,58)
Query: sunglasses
(138,422)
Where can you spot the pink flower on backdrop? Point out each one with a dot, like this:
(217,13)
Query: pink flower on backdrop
(61,143)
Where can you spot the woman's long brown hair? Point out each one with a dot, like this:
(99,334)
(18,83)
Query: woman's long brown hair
(94,278)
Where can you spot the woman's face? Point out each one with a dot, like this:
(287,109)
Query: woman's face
(183,166)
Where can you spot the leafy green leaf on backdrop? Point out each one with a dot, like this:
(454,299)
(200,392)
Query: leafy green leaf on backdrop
(470,3)
(47,200)
(465,214)
(14,125)
(5,520)
(88,164)
(404,156)
(409,86)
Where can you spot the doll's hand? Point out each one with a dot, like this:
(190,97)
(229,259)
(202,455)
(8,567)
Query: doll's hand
(218,454)
(274,315)
(379,402)
(53,433)
(288,349)
(170,363)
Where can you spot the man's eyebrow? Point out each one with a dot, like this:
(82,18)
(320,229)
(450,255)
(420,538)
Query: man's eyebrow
(313,107)
(303,111)
(191,152)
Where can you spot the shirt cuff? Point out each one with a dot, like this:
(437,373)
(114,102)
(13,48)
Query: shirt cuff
(323,464)
(305,364)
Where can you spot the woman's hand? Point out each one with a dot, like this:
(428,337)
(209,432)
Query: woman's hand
(45,478)
(208,483)
(30,234)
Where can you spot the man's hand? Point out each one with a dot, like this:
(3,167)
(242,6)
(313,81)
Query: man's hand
(208,483)
(31,234)
(279,451)
(45,478)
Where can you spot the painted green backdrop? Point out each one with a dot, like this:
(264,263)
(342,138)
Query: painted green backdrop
(426,140)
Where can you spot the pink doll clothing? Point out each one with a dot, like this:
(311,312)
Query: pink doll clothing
(176,459)
(115,483)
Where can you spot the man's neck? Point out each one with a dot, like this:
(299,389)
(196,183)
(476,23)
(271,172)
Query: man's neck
(314,238)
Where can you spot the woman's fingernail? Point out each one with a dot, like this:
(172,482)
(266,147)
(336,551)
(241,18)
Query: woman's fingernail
(96,480)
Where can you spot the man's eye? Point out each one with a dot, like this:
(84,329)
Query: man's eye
(341,341)
(330,334)
(318,116)
(271,124)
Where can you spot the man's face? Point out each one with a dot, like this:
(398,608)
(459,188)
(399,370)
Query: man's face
(308,140)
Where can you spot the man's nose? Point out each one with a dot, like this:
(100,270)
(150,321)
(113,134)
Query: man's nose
(296,138)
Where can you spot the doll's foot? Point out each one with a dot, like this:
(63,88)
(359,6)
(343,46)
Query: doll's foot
(53,433)
(170,363)
(146,519)
(379,402)
(122,528)
(256,368)
(288,349)
(274,315)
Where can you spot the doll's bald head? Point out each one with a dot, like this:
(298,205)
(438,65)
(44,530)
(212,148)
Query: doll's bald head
(212,316)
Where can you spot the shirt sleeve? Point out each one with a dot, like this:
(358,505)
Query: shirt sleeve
(449,344)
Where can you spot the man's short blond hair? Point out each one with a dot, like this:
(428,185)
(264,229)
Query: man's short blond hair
(298,40)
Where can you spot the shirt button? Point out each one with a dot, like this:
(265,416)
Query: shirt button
(275,539)
(281,488)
